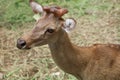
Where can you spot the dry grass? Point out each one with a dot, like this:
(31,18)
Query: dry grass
(37,64)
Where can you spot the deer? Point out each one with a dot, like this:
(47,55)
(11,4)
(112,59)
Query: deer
(95,62)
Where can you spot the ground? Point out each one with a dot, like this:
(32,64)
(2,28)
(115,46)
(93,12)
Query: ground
(37,63)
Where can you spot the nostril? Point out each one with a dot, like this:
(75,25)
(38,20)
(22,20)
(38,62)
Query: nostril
(21,43)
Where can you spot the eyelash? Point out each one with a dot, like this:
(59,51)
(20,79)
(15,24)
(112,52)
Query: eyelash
(50,30)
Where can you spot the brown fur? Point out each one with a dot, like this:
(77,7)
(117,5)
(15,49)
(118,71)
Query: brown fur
(97,62)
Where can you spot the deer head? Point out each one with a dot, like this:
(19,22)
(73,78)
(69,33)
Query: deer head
(47,28)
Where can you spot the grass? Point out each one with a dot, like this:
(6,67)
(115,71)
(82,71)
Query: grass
(15,13)
(98,22)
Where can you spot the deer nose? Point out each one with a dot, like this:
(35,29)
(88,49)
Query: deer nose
(21,43)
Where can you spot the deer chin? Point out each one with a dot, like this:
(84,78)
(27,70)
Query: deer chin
(26,47)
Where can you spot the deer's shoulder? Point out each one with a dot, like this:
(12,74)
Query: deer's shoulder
(107,46)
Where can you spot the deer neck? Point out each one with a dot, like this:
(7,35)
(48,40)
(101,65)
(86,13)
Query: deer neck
(65,54)
(62,44)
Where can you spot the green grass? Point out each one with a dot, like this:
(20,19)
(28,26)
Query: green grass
(14,13)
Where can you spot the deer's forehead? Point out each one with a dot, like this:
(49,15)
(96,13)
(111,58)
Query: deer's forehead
(43,25)
(46,22)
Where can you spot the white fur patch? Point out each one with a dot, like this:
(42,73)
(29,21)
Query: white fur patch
(69,25)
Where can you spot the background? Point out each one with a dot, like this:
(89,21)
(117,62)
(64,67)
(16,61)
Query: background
(98,21)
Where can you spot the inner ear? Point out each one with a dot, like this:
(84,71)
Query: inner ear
(37,8)
(69,24)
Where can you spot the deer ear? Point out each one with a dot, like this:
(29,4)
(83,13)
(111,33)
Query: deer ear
(36,7)
(69,24)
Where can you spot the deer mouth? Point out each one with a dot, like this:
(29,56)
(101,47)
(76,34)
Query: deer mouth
(23,47)
(26,47)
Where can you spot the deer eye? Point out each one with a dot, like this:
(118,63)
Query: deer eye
(50,30)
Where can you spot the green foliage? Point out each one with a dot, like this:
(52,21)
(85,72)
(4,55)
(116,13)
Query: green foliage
(17,12)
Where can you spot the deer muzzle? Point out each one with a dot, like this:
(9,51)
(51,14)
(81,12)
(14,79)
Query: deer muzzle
(21,44)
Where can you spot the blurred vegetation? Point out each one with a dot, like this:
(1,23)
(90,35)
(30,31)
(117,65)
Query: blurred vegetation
(14,13)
